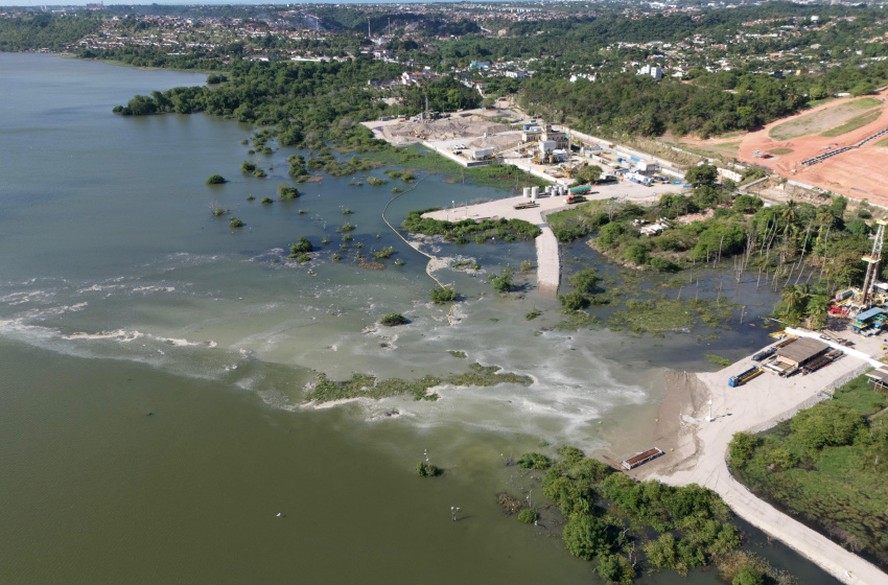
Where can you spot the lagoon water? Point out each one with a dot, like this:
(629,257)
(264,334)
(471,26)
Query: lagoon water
(154,363)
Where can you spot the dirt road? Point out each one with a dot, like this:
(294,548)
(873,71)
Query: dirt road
(698,455)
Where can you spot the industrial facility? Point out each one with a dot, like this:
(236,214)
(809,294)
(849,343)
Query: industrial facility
(864,307)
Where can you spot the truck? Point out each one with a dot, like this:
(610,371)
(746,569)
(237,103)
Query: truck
(744,377)
(482,153)
(574,198)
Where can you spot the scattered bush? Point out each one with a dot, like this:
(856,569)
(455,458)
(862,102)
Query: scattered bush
(502,282)
(302,246)
(424,469)
(386,252)
(393,320)
(527,516)
(287,193)
(534,461)
(216,180)
(616,570)
(443,295)
(235,223)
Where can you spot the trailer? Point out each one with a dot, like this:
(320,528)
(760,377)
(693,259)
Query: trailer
(764,354)
(744,377)
(641,458)
(482,153)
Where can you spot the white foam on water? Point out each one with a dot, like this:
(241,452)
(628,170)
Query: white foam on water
(55,311)
(278,258)
(28,296)
(153,289)
(100,288)
(121,335)
(182,259)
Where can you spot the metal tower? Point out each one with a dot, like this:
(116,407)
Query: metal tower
(872,270)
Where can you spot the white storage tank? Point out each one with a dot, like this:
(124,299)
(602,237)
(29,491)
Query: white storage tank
(482,153)
(526,192)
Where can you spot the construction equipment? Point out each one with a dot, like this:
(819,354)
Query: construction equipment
(872,269)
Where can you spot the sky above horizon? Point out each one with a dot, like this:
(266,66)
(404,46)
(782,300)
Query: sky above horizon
(56,3)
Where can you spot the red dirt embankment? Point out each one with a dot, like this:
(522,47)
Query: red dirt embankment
(860,173)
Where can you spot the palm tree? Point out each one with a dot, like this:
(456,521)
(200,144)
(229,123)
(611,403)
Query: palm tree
(816,311)
(788,214)
(795,299)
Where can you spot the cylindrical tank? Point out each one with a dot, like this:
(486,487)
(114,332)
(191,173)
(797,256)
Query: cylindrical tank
(534,192)
(526,192)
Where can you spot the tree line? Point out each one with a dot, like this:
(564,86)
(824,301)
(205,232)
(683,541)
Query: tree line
(827,466)
(630,528)
(308,104)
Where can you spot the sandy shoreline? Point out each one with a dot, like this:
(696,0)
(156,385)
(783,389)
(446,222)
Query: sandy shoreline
(695,446)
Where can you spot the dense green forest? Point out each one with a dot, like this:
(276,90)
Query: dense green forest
(629,528)
(712,104)
(710,98)
(785,244)
(308,103)
(45,31)
(827,466)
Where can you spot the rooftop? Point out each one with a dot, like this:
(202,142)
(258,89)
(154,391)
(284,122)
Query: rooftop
(802,350)
(869,314)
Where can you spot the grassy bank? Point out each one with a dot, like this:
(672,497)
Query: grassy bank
(368,386)
(508,230)
(414,158)
(828,467)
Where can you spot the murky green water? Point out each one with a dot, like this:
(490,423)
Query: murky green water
(153,365)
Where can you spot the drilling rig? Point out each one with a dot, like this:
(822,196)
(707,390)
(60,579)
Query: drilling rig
(872,269)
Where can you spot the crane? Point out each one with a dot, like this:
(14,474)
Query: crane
(872,269)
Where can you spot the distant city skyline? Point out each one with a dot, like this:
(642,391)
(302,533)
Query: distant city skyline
(33,3)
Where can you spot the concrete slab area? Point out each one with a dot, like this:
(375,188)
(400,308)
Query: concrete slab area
(700,450)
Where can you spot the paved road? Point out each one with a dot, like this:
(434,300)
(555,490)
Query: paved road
(843,565)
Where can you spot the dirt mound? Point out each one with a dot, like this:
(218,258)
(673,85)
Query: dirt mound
(451,128)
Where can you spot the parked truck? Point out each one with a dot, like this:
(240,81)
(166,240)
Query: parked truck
(744,377)
(482,153)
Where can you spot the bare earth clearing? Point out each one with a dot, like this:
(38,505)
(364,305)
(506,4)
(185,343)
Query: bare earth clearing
(460,126)
(724,146)
(821,120)
(858,173)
